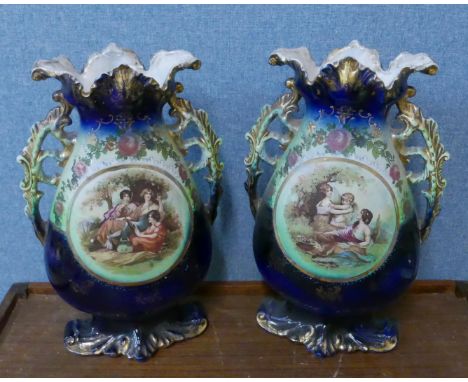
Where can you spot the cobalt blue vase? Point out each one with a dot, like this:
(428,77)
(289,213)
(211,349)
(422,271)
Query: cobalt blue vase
(128,238)
(336,232)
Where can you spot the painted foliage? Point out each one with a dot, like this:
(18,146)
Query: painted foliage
(336,219)
(131,224)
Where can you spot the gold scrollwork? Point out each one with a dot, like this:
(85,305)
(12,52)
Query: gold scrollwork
(258,136)
(325,338)
(434,155)
(208,142)
(33,156)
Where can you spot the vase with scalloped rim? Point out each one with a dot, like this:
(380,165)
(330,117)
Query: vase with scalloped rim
(128,237)
(336,230)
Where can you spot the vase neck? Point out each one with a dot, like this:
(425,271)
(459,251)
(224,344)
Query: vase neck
(344,115)
(118,122)
(117,117)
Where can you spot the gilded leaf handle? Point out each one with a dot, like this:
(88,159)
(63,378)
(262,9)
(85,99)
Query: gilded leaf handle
(260,134)
(433,154)
(209,144)
(33,155)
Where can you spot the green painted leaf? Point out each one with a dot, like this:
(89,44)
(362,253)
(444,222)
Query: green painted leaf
(375,152)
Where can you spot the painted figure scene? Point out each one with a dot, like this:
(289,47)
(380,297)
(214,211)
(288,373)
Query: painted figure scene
(336,223)
(133,221)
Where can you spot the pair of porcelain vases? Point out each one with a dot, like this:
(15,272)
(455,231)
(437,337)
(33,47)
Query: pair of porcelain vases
(336,233)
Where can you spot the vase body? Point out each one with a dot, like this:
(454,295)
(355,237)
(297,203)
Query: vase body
(113,179)
(128,237)
(335,170)
(336,232)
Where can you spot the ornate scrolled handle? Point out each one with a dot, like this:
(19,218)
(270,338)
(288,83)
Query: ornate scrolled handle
(33,156)
(433,154)
(259,135)
(208,143)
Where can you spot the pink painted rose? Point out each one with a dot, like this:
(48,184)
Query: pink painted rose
(129,145)
(338,139)
(395,173)
(79,169)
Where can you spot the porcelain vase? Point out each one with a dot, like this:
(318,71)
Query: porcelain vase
(336,231)
(128,237)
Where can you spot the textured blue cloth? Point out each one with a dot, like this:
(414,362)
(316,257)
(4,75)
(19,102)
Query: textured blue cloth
(235,81)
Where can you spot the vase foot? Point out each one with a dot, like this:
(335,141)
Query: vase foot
(325,338)
(133,339)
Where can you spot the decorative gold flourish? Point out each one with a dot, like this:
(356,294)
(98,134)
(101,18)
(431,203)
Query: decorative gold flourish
(33,156)
(259,135)
(208,143)
(434,155)
(123,86)
(124,81)
(138,341)
(326,338)
(348,73)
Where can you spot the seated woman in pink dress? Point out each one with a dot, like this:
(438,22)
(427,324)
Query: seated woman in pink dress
(153,238)
(114,219)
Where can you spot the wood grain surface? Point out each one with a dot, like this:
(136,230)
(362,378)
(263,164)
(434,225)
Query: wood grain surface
(433,339)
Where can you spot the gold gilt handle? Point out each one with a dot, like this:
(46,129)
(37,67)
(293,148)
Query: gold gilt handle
(208,142)
(33,156)
(433,154)
(259,135)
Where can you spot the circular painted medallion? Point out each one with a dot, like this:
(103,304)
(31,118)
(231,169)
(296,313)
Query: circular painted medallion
(130,224)
(335,219)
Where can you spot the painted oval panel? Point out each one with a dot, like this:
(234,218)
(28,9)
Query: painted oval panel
(336,219)
(130,224)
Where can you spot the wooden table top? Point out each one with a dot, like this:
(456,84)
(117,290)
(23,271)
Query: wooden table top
(433,320)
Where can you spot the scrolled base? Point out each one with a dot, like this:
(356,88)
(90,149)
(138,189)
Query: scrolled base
(326,338)
(135,340)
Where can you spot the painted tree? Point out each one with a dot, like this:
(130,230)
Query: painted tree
(135,181)
(309,194)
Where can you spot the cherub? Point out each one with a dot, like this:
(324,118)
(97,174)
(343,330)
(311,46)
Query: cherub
(346,207)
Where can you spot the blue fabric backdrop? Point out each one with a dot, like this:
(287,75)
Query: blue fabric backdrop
(235,81)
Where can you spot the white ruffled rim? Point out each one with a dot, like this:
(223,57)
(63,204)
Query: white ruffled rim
(163,64)
(300,60)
